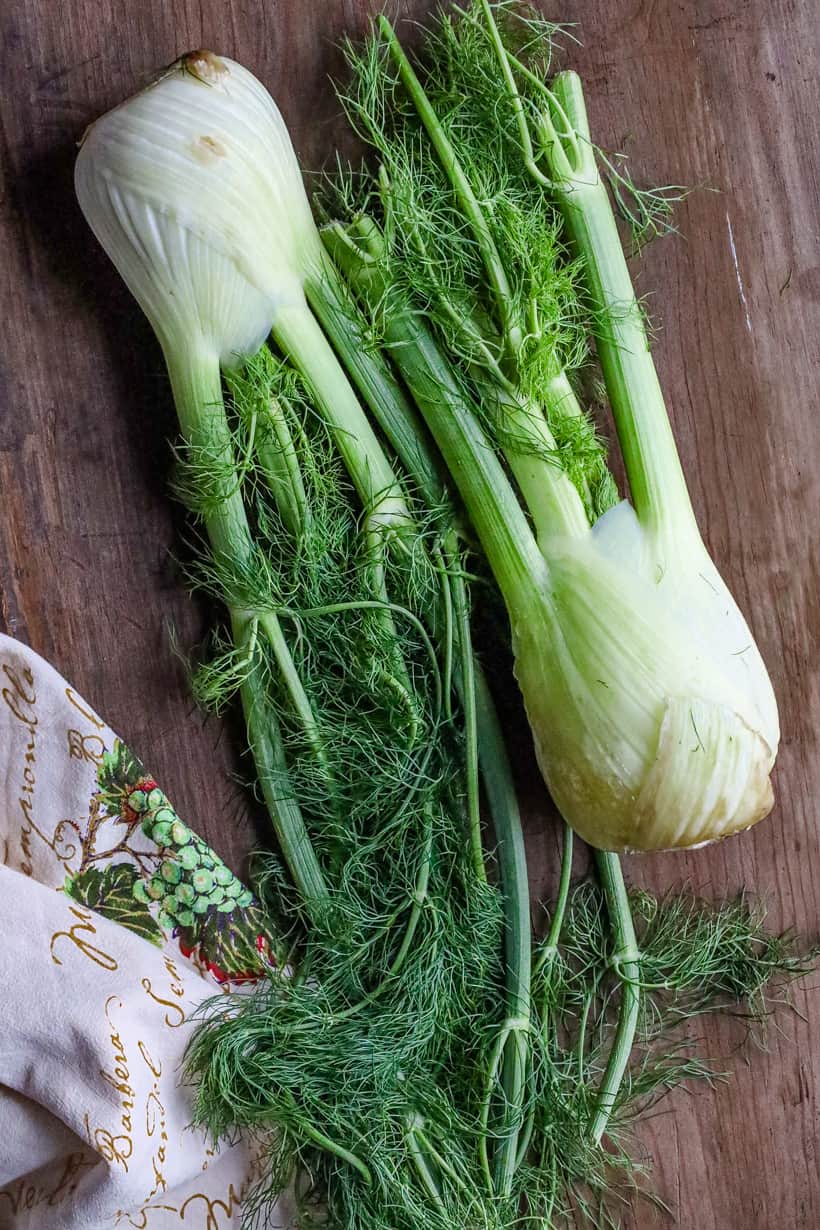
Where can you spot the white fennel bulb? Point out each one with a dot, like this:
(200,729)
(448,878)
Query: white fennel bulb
(193,189)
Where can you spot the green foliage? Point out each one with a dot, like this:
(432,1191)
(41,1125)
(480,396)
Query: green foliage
(369,1052)
(344,1090)
(432,256)
(696,957)
(110,892)
(648,212)
(120,773)
(388,1024)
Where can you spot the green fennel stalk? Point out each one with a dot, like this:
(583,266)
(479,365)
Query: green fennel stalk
(198,396)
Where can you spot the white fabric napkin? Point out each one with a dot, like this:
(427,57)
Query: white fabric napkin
(116,922)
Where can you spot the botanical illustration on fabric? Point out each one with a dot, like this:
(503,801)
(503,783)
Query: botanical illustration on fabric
(176,884)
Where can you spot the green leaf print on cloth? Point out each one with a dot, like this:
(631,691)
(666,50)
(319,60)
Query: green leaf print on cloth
(173,884)
(111,893)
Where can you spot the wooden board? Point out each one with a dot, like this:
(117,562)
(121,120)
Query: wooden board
(715,93)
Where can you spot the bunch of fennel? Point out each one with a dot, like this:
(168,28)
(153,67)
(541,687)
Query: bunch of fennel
(401,1066)
(350,648)
(652,713)
(653,717)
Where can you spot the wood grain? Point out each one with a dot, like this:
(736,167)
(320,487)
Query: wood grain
(719,93)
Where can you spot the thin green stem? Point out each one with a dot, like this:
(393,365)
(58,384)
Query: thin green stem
(200,407)
(419,899)
(549,949)
(467,692)
(512,859)
(298,333)
(502,292)
(510,1057)
(442,1163)
(300,700)
(547,955)
(267,748)
(342,321)
(626,963)
(515,97)
(656,480)
(331,1146)
(583,1023)
(422,1166)
(553,1190)
(376,559)
(279,464)
(446,619)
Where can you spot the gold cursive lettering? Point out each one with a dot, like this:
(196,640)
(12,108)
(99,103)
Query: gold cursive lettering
(176,979)
(28,1196)
(155,1123)
(143,1214)
(121,1078)
(171,1022)
(74,934)
(113,1148)
(85,747)
(154,1114)
(154,1068)
(87,713)
(20,697)
(212,1208)
(22,690)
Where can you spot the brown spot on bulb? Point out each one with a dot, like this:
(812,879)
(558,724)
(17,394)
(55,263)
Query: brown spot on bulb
(207,150)
(204,65)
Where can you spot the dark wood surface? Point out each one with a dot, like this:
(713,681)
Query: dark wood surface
(720,93)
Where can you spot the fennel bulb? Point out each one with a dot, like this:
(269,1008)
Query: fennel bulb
(652,713)
(653,717)
(670,727)
(193,189)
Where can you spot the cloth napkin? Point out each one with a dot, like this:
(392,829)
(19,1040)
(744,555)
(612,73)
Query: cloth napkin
(117,922)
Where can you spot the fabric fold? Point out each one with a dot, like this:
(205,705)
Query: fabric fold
(118,922)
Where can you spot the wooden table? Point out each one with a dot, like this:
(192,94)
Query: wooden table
(711,93)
